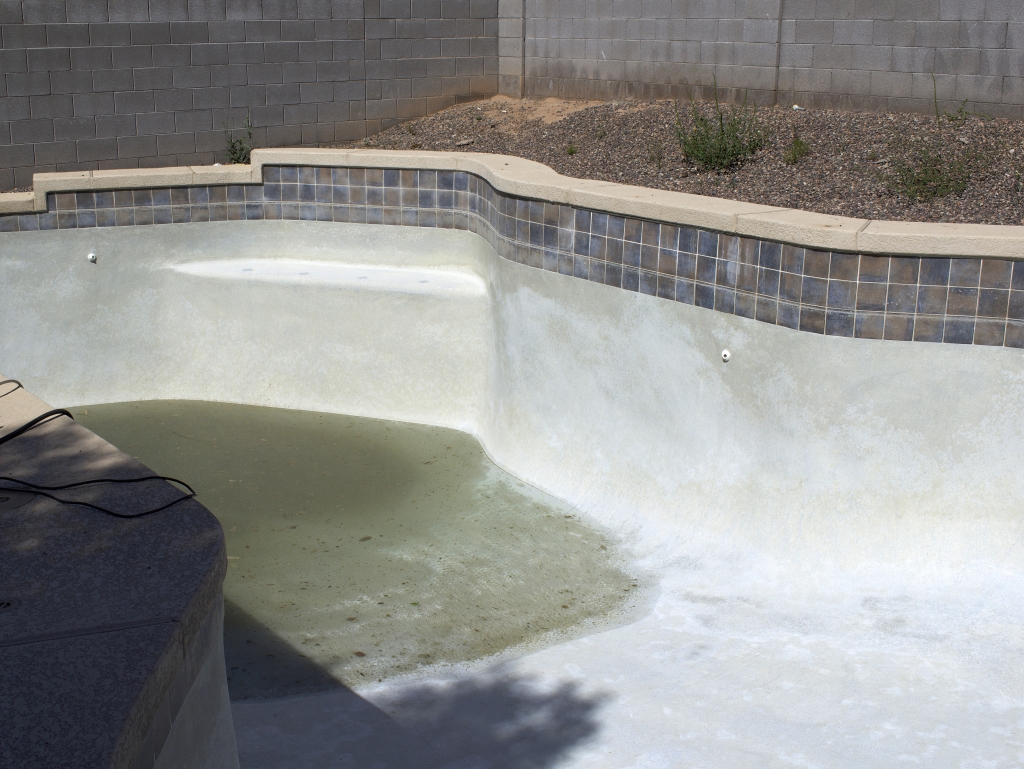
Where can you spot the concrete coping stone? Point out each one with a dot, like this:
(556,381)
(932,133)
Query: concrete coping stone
(528,179)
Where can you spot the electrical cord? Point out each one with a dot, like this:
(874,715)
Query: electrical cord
(45,417)
(35,488)
(13,382)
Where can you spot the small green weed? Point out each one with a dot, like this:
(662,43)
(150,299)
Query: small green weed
(656,153)
(601,133)
(239,150)
(723,139)
(928,175)
(796,150)
(571,149)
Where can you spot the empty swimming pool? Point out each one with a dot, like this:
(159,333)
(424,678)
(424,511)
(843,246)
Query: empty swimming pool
(829,524)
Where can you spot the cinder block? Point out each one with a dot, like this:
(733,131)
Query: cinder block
(962,10)
(227,31)
(381,109)
(926,86)
(395,89)
(376,29)
(211,98)
(28,83)
(248,95)
(172,55)
(93,103)
(232,74)
(257,74)
(210,141)
(168,10)
(353,90)
(979,88)
(51,153)
(331,71)
(796,56)
(71,82)
(110,34)
(894,33)
(299,72)
(298,30)
(983,34)
(853,32)
(754,54)
(131,56)
(917,10)
(88,58)
(245,53)
(314,9)
(43,11)
(260,31)
(48,59)
(875,57)
(911,60)
(206,54)
(97,149)
(281,51)
(24,35)
(280,9)
(191,77)
(153,78)
(297,114)
(206,10)
(813,31)
(287,93)
(74,128)
(173,99)
(29,131)
(133,102)
(894,84)
(851,82)
(283,135)
(175,143)
(136,146)
(937,34)
(1000,62)
(243,9)
(310,93)
(116,126)
(113,80)
(67,35)
(316,50)
(154,123)
(151,33)
(193,120)
(12,155)
(811,80)
(874,9)
(958,61)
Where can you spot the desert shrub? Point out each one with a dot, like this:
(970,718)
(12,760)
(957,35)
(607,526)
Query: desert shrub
(720,137)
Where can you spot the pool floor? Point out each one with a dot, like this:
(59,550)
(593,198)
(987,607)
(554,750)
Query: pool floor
(360,549)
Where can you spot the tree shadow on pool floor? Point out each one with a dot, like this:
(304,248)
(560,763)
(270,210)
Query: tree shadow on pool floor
(497,719)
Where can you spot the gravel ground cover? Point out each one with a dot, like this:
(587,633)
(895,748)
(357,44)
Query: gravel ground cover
(854,165)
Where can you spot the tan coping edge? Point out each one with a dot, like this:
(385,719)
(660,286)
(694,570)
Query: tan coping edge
(526,178)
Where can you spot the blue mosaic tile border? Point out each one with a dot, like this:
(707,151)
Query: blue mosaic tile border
(922,299)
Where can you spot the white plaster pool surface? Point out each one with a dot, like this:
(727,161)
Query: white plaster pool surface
(832,528)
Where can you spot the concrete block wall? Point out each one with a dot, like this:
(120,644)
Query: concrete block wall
(88,84)
(855,54)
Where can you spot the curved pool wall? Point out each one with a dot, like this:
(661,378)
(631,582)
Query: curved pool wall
(861,493)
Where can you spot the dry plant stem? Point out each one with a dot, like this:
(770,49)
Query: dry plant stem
(845,173)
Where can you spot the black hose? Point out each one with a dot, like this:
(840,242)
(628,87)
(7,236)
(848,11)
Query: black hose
(35,488)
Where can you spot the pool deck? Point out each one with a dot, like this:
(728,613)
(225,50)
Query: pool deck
(112,618)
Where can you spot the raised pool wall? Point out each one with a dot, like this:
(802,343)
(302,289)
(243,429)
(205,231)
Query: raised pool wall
(866,425)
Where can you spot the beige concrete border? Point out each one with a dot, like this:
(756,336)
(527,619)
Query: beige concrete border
(534,180)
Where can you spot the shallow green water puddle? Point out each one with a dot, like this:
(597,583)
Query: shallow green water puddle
(360,548)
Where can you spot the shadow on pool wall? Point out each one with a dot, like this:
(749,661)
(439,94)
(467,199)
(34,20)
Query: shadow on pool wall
(495,712)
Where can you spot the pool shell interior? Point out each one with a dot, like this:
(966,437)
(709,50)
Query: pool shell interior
(361,548)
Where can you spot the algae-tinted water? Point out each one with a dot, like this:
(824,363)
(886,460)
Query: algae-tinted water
(360,548)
